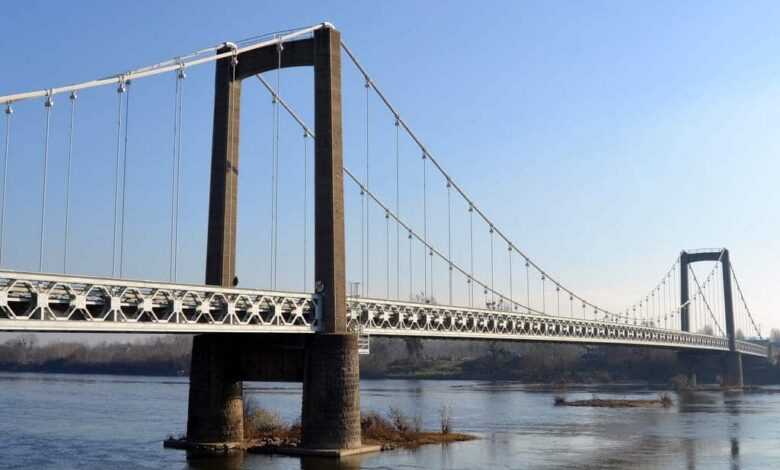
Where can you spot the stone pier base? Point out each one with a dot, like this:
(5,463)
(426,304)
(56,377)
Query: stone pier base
(330,415)
(327,364)
(732,370)
(724,368)
(688,364)
(216,405)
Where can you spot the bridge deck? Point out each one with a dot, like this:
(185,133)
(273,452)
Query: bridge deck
(51,302)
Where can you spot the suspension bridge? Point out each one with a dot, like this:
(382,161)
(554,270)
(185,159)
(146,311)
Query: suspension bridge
(435,266)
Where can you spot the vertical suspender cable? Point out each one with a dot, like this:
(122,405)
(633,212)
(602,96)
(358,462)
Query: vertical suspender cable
(430,256)
(449,236)
(368,205)
(397,211)
(73,97)
(175,176)
(662,293)
(718,288)
(120,92)
(279,48)
(363,240)
(648,311)
(558,298)
(274,101)
(471,250)
(425,225)
(124,183)
(48,104)
(652,307)
(675,298)
(8,113)
(411,297)
(511,283)
(181,76)
(527,286)
(492,277)
(387,254)
(305,202)
(544,300)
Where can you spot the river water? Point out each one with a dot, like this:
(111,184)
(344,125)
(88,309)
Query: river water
(52,421)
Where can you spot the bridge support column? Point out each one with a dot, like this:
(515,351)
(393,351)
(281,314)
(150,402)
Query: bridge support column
(687,362)
(330,412)
(215,411)
(732,370)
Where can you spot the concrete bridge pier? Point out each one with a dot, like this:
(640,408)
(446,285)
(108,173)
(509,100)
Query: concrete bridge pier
(327,364)
(688,364)
(732,370)
(216,404)
(725,367)
(330,412)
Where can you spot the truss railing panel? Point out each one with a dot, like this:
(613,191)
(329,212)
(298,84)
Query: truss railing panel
(50,302)
(753,349)
(389,318)
(43,302)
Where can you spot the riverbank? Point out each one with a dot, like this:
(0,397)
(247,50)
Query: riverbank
(391,358)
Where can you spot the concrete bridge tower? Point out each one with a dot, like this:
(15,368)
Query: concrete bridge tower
(731,360)
(326,362)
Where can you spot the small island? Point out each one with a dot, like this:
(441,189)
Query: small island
(663,401)
(266,432)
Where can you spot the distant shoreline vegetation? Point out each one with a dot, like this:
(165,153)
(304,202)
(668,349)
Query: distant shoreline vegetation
(390,358)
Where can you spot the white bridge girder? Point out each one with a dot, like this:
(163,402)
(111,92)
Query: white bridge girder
(60,303)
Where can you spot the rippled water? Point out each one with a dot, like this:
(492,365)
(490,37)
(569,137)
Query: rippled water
(80,421)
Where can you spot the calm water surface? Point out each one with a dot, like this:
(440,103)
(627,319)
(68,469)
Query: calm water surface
(82,422)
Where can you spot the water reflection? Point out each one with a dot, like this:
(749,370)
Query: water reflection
(233,461)
(352,462)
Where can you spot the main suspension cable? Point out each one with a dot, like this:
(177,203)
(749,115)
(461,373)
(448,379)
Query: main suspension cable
(744,303)
(704,299)
(171,65)
(419,142)
(426,245)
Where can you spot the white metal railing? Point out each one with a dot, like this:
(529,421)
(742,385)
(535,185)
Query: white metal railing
(45,302)
(52,302)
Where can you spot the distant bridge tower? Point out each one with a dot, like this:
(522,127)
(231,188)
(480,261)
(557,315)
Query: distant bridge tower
(326,362)
(732,360)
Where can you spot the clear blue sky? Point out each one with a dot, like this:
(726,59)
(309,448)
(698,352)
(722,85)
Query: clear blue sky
(604,137)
